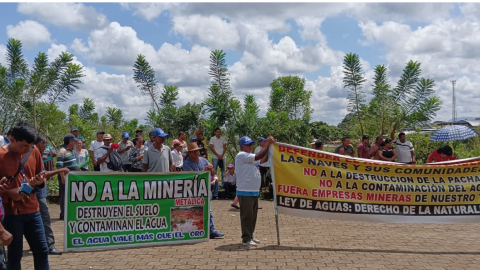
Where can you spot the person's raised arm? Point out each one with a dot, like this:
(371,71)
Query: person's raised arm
(392,134)
(102,159)
(264,150)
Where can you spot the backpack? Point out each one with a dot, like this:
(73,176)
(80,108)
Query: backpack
(115,163)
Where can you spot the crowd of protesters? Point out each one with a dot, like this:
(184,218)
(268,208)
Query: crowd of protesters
(27,159)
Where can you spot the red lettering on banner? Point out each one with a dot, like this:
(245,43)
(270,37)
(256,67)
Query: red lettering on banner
(388,197)
(336,194)
(294,190)
(189,201)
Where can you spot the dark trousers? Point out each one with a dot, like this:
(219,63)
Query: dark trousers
(61,193)
(96,168)
(47,226)
(263,174)
(3,266)
(31,226)
(229,188)
(127,167)
(136,170)
(248,216)
(179,169)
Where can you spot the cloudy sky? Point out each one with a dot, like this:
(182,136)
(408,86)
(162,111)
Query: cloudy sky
(262,42)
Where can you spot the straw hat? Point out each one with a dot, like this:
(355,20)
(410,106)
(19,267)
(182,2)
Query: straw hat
(193,147)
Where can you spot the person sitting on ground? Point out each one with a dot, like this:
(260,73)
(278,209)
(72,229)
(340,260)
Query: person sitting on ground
(387,152)
(346,148)
(442,154)
(363,148)
(230,181)
(136,154)
(318,145)
(177,157)
(196,163)
(82,156)
(375,147)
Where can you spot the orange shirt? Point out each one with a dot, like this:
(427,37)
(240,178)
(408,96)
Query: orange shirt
(8,166)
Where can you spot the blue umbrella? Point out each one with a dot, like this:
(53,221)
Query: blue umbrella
(453,133)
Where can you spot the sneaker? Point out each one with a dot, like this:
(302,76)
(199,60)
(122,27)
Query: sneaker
(249,243)
(216,234)
(256,240)
(235,206)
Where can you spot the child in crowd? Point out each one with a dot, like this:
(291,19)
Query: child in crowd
(230,181)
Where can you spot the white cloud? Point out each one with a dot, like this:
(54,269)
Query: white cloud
(30,33)
(211,31)
(71,15)
(149,11)
(119,46)
(3,51)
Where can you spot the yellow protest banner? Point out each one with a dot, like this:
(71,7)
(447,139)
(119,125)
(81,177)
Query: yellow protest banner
(317,184)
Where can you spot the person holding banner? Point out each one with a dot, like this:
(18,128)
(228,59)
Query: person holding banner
(248,185)
(195,162)
(346,148)
(375,147)
(363,149)
(387,152)
(405,150)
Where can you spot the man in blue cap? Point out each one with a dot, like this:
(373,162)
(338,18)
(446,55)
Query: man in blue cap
(159,157)
(124,152)
(248,185)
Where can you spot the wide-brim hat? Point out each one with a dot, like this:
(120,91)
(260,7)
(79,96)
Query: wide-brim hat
(192,147)
(313,142)
(107,137)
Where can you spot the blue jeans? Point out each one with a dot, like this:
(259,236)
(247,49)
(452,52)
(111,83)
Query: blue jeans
(212,227)
(217,164)
(31,226)
(47,225)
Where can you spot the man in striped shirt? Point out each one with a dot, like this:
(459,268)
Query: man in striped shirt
(405,150)
(66,159)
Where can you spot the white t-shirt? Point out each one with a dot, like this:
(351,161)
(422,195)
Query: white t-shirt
(266,163)
(247,172)
(100,153)
(177,158)
(404,150)
(94,146)
(218,144)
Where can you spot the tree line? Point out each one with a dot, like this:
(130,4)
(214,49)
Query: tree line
(35,95)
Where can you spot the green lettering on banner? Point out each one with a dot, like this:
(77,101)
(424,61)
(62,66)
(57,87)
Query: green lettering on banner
(119,210)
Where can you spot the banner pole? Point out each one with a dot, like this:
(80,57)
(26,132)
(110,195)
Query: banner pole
(277,224)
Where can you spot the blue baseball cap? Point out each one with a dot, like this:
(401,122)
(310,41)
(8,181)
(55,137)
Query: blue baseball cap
(245,140)
(125,135)
(262,139)
(158,132)
(192,139)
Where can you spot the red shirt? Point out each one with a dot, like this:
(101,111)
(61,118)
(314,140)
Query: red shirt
(364,149)
(8,166)
(438,157)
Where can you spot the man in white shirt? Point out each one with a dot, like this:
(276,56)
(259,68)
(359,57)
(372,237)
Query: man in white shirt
(177,156)
(218,145)
(102,154)
(248,185)
(124,151)
(94,146)
(405,150)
